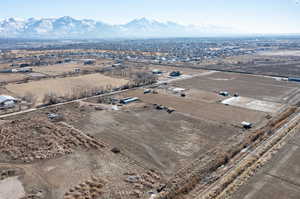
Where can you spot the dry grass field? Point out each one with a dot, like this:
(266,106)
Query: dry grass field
(64,86)
(11,77)
(58,69)
(4,66)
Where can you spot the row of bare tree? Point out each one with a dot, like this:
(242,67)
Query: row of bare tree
(139,79)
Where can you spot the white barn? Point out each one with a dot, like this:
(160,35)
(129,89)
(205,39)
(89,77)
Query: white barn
(7,101)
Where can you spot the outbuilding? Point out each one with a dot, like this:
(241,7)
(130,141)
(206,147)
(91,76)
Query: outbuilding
(175,74)
(7,101)
(177,90)
(246,125)
(294,79)
(128,100)
(89,61)
(156,71)
(76,70)
(224,93)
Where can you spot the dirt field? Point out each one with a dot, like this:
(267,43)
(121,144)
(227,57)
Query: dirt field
(253,104)
(196,108)
(280,178)
(278,63)
(64,86)
(193,94)
(168,69)
(257,87)
(160,140)
(11,188)
(204,96)
(157,139)
(281,53)
(62,162)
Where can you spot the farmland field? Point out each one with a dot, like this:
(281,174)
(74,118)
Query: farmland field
(199,109)
(64,86)
(94,120)
(69,67)
(157,139)
(257,87)
(59,159)
(10,77)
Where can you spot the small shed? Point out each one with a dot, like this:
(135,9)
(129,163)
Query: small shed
(147,91)
(246,125)
(156,71)
(224,93)
(116,65)
(25,70)
(178,90)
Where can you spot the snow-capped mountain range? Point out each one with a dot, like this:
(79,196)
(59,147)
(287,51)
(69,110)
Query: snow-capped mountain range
(68,27)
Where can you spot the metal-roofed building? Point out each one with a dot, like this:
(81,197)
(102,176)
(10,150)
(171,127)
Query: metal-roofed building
(7,101)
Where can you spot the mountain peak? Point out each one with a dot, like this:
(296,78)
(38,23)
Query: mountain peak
(66,18)
(143,20)
(68,27)
(12,19)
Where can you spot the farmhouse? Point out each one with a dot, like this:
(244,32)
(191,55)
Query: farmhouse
(7,101)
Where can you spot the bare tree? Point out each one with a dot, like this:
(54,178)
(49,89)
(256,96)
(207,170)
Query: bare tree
(144,78)
(50,98)
(30,98)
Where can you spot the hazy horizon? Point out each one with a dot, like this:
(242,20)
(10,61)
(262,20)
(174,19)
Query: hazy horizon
(251,16)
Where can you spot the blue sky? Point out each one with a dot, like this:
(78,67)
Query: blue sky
(259,16)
